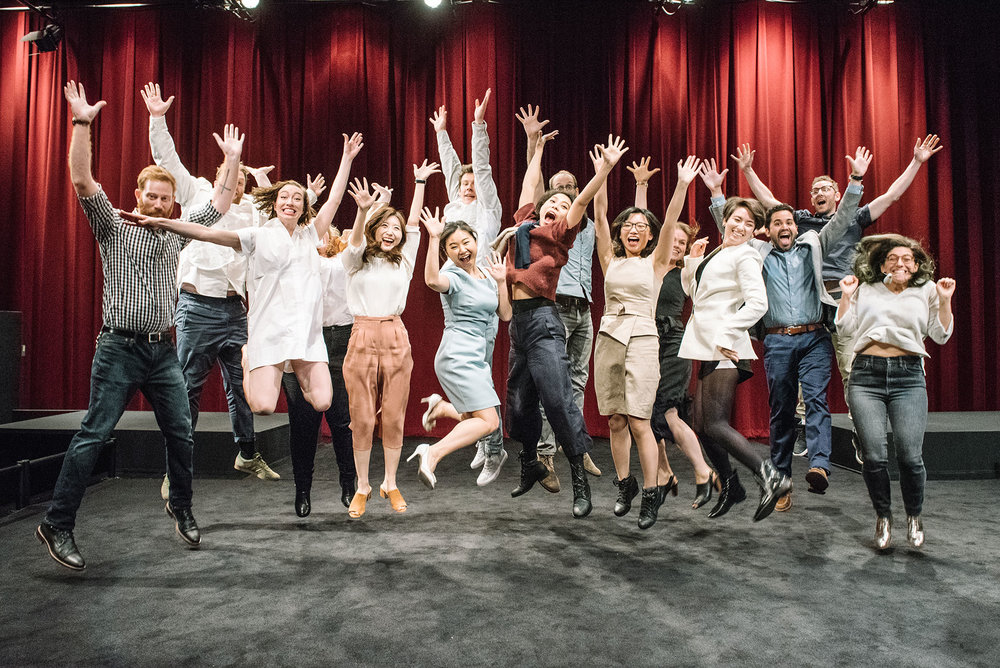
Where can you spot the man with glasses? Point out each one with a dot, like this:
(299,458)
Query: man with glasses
(824,194)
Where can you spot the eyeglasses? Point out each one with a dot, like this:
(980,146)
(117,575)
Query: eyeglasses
(894,259)
(821,189)
(638,227)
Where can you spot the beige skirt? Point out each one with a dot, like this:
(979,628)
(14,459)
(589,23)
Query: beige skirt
(626,376)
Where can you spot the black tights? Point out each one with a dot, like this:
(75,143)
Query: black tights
(713,404)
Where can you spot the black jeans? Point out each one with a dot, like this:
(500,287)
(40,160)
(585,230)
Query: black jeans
(304,421)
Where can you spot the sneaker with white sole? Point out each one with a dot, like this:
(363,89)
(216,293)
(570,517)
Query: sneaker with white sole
(480,457)
(800,449)
(491,468)
(256,466)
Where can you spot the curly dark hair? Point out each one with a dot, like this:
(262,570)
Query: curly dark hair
(873,250)
(449,229)
(616,231)
(394,255)
(265,198)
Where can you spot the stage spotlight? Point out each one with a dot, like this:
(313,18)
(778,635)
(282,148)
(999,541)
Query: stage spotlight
(250,4)
(45,40)
(432,3)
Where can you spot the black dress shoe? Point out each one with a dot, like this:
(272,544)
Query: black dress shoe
(773,486)
(302,505)
(731,494)
(186,527)
(627,489)
(652,499)
(532,471)
(61,546)
(346,494)
(581,488)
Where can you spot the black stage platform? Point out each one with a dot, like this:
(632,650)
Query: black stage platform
(957,446)
(470,577)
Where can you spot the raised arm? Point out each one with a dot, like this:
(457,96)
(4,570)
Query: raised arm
(642,173)
(231,144)
(532,129)
(531,185)
(352,146)
(420,175)
(451,165)
(848,207)
(364,198)
(713,180)
(79,145)
(161,144)
(486,187)
(611,154)
(433,277)
(602,231)
(744,158)
(922,152)
(687,170)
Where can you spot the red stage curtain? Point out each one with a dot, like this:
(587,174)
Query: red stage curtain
(803,83)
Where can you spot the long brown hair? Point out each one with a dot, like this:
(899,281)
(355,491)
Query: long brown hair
(395,254)
(873,250)
(266,197)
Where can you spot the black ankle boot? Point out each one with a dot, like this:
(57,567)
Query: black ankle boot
(532,471)
(627,489)
(302,505)
(347,493)
(773,485)
(581,488)
(731,494)
(652,499)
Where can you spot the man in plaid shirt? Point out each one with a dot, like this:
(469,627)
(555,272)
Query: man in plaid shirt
(134,348)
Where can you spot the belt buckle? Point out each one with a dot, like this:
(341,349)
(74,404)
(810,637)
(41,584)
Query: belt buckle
(154,337)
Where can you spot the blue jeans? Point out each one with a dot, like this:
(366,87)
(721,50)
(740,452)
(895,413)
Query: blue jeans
(893,388)
(121,366)
(789,361)
(539,372)
(304,420)
(211,329)
(579,345)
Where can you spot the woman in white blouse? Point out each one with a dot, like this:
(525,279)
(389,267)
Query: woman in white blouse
(728,298)
(379,259)
(889,307)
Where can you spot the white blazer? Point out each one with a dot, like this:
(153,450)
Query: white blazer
(729,300)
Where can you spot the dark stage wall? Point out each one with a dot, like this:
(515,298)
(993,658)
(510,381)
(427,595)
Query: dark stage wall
(804,83)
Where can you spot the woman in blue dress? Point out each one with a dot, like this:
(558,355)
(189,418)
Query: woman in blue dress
(469,297)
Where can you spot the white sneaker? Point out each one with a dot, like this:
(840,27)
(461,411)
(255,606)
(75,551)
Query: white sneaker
(165,488)
(256,466)
(480,457)
(491,468)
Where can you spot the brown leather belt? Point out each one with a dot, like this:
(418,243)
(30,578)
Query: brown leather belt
(795,329)
(832,285)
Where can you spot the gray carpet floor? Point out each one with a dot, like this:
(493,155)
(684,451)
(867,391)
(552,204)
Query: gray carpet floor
(469,576)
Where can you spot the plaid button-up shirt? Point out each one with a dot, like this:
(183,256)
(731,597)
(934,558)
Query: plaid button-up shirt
(139,264)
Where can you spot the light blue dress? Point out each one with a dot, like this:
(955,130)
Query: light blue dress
(460,362)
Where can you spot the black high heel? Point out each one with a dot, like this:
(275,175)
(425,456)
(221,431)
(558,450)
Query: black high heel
(667,488)
(703,490)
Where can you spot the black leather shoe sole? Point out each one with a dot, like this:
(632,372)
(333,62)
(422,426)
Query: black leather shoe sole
(52,553)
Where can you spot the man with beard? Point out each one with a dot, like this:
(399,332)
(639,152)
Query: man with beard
(134,349)
(797,346)
(824,195)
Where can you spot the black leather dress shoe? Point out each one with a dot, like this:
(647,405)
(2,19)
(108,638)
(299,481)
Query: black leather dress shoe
(627,490)
(186,527)
(532,471)
(61,546)
(773,486)
(346,494)
(302,505)
(581,489)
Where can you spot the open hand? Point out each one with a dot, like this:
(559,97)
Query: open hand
(78,105)
(231,141)
(440,119)
(155,103)
(641,171)
(687,169)
(926,148)
(529,120)
(432,222)
(497,267)
(384,193)
(744,157)
(353,145)
(860,162)
(425,170)
(480,111)
(317,185)
(711,175)
(361,194)
(613,150)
